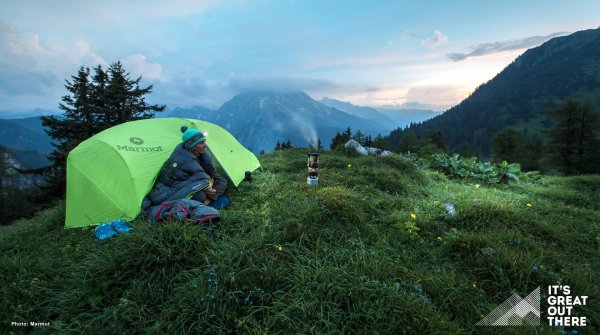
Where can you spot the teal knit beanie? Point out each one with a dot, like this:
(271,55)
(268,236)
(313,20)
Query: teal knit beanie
(191,137)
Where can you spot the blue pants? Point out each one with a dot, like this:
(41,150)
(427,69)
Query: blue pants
(220,186)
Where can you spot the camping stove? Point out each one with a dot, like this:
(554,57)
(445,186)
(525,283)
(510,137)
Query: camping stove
(313,168)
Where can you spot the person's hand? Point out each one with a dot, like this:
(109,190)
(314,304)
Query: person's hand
(211,192)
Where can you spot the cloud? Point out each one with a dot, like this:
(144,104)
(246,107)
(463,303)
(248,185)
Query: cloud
(31,68)
(137,65)
(83,55)
(430,42)
(437,97)
(16,50)
(490,48)
(195,90)
(242,83)
(28,51)
(16,80)
(437,39)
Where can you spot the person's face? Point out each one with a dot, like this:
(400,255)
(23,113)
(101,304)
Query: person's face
(200,148)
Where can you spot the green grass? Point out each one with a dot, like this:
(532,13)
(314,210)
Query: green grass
(342,257)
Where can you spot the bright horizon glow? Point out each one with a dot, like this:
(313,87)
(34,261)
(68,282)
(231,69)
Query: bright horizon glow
(201,52)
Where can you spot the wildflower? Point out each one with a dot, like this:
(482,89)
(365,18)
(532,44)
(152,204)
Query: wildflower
(413,216)
(349,165)
(439,238)
(477,185)
(529,205)
(279,248)
(474,284)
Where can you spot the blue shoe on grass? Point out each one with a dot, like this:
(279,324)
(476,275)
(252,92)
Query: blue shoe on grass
(104,231)
(120,226)
(110,229)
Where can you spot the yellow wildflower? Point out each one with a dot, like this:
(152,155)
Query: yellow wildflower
(529,205)
(413,216)
(475,284)
(476,185)
(349,165)
(439,238)
(280,248)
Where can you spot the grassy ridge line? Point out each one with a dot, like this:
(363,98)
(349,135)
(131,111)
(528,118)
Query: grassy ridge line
(341,257)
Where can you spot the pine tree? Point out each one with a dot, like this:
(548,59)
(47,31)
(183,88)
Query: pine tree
(288,144)
(347,135)
(335,141)
(379,142)
(437,139)
(359,137)
(508,145)
(278,146)
(126,100)
(572,141)
(76,126)
(93,103)
(465,150)
(99,97)
(588,145)
(408,142)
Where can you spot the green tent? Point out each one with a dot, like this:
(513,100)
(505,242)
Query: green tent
(109,174)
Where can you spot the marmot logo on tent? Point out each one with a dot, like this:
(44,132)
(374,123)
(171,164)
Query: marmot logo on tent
(138,149)
(136,140)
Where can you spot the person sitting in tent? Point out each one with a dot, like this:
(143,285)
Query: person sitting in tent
(188,173)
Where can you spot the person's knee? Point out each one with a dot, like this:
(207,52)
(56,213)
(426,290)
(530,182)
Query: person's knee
(199,196)
(221,184)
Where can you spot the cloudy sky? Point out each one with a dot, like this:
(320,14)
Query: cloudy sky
(428,54)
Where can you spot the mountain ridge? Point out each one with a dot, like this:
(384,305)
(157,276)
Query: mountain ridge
(268,117)
(540,79)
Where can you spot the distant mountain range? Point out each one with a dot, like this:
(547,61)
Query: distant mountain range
(26,140)
(18,113)
(257,119)
(22,159)
(260,119)
(539,79)
(364,112)
(386,116)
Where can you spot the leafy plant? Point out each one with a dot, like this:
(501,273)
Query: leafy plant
(460,167)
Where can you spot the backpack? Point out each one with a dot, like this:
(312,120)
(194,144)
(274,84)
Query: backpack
(185,210)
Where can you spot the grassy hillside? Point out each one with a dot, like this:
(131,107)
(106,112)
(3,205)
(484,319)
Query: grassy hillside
(346,256)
